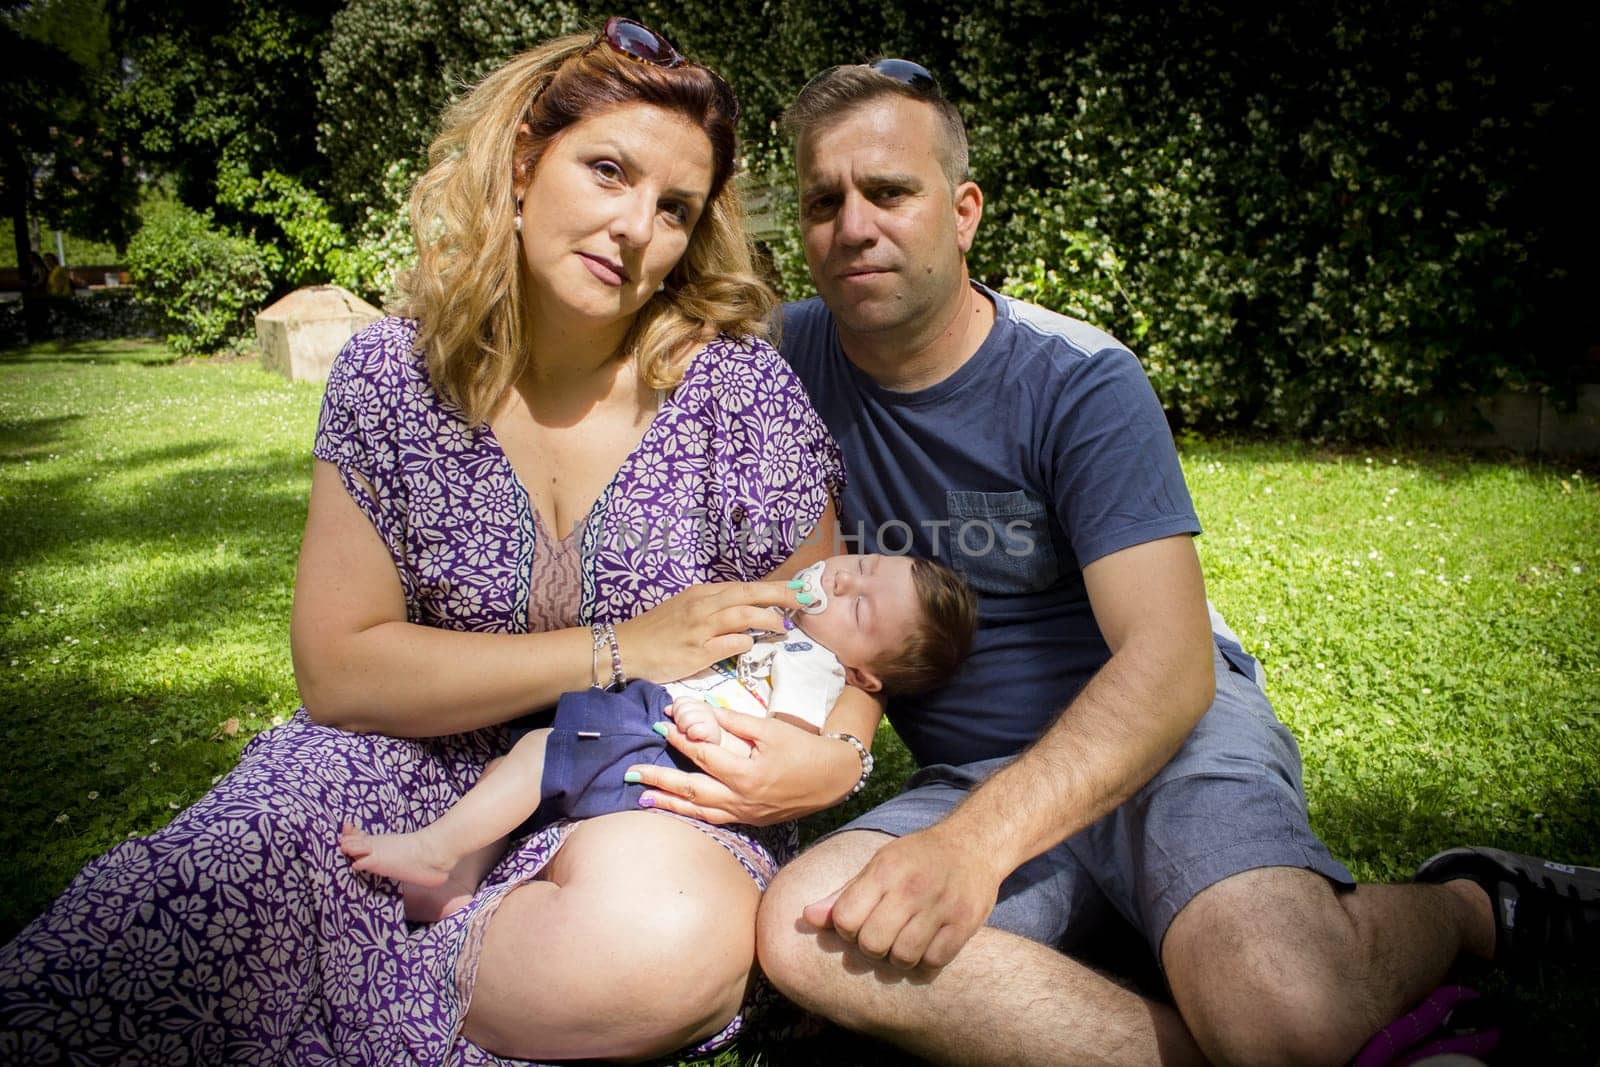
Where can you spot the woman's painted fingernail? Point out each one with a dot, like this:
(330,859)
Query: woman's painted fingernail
(788,623)
(647,801)
(660,728)
(795,583)
(633,777)
(804,598)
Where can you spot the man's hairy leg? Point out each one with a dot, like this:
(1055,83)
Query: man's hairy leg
(1277,966)
(1002,1000)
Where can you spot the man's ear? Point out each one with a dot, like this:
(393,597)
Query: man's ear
(969,212)
(863,679)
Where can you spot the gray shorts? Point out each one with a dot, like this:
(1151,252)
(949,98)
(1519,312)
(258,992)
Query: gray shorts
(1231,800)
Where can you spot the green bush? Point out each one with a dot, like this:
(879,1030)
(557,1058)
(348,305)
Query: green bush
(1328,220)
(207,284)
(312,249)
(383,236)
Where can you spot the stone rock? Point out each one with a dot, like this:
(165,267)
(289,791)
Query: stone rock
(302,333)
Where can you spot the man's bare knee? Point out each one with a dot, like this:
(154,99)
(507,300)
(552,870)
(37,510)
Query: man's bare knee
(1299,1023)
(1267,967)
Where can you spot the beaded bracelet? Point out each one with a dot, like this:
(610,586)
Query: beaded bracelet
(604,634)
(866,761)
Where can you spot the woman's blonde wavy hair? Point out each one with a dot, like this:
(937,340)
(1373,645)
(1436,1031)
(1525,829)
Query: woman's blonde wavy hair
(467,288)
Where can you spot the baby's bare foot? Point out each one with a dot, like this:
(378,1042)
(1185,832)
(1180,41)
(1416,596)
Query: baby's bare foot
(697,720)
(414,857)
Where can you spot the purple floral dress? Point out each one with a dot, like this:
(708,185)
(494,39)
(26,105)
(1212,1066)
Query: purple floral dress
(239,933)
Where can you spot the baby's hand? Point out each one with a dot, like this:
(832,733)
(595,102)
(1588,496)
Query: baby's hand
(697,720)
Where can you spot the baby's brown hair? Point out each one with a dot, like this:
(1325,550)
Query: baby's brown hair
(948,619)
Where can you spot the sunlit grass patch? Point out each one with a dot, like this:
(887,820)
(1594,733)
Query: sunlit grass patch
(1428,624)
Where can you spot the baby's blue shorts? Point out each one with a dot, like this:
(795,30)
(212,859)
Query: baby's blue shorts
(595,737)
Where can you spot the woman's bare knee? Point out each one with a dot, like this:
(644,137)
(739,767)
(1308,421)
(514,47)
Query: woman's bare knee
(794,954)
(641,942)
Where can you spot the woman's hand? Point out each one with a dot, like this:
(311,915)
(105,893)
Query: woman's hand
(789,773)
(698,627)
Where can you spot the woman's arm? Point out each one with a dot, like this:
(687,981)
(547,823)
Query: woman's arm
(361,666)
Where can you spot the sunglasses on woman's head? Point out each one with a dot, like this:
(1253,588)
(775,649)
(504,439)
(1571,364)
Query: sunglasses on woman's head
(639,42)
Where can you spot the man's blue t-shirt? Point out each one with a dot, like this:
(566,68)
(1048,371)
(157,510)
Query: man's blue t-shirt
(1044,452)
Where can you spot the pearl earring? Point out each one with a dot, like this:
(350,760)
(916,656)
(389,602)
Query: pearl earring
(516,223)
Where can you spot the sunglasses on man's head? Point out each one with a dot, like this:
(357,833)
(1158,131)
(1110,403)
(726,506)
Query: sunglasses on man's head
(639,42)
(908,73)
(913,76)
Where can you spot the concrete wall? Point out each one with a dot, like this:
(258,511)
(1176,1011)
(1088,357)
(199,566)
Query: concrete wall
(1530,423)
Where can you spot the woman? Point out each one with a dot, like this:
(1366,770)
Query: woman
(518,492)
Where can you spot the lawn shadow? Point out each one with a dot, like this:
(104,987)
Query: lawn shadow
(83,773)
(1548,1015)
(72,353)
(214,552)
(239,502)
(1444,465)
(1395,825)
(29,438)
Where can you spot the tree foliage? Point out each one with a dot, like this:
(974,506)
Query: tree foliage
(61,158)
(211,84)
(1328,219)
(389,68)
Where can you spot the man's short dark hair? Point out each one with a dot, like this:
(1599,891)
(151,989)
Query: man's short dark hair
(836,92)
(948,618)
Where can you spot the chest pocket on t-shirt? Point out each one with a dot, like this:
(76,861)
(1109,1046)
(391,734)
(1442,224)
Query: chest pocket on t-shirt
(1000,542)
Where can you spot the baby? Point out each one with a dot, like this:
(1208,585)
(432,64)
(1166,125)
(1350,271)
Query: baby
(890,624)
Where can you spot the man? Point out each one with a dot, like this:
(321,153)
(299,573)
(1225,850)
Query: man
(58,282)
(1101,749)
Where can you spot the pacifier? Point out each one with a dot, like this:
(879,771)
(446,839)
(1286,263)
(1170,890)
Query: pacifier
(810,581)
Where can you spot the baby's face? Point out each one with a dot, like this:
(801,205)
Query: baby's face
(872,607)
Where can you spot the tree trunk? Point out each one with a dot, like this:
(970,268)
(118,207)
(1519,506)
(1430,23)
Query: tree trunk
(18,184)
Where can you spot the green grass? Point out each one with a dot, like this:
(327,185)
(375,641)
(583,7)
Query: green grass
(1428,622)
(152,512)
(1430,627)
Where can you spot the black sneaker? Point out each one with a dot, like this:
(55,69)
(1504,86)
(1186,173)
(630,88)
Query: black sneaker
(1543,911)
